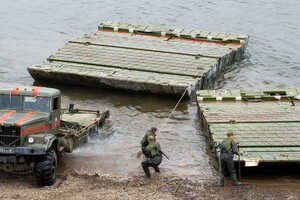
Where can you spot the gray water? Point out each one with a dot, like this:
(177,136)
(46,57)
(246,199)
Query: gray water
(32,30)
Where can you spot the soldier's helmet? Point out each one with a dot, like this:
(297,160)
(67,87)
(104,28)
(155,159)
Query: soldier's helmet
(230,134)
(154,129)
(151,138)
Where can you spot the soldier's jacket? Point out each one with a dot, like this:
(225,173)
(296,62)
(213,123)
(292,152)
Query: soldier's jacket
(144,141)
(231,145)
(153,148)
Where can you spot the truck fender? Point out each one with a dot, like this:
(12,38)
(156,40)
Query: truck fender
(52,142)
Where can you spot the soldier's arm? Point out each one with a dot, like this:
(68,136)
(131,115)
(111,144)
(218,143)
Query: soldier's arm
(158,149)
(158,146)
(144,139)
(234,147)
(147,151)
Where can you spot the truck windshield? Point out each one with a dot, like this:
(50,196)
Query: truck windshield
(37,103)
(10,102)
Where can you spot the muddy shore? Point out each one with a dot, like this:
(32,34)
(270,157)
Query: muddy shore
(75,186)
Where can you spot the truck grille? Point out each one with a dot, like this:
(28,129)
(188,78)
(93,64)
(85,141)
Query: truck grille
(10,136)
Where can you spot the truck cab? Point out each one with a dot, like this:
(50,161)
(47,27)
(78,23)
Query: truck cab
(25,111)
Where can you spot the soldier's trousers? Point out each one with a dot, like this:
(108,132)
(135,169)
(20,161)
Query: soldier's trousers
(227,164)
(152,162)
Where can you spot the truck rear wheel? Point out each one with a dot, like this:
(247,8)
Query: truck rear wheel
(45,171)
(69,146)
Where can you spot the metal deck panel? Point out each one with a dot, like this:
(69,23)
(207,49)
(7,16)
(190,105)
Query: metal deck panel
(168,62)
(130,59)
(266,123)
(260,134)
(147,43)
(240,111)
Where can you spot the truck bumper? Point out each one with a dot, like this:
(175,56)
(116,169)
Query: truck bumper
(22,151)
(19,159)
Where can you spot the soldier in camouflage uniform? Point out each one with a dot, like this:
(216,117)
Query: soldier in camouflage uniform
(154,155)
(144,142)
(228,149)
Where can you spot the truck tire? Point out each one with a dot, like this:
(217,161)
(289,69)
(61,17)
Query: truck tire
(93,132)
(45,171)
(69,147)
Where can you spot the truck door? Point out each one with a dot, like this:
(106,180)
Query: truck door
(55,115)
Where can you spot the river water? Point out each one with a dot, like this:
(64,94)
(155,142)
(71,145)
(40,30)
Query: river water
(32,30)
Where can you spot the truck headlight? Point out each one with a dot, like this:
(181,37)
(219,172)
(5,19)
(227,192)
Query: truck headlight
(31,140)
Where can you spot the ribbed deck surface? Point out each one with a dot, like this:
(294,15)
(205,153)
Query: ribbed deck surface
(250,112)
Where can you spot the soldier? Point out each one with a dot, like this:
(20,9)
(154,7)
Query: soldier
(144,141)
(154,153)
(228,149)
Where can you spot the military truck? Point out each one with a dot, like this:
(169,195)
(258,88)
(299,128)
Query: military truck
(34,129)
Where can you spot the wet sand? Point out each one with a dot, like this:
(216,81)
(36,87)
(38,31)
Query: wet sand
(75,186)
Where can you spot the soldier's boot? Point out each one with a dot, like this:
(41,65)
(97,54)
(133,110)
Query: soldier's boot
(147,175)
(234,181)
(222,180)
(147,171)
(156,169)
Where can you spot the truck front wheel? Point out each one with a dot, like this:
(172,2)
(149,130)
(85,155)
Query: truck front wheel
(45,171)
